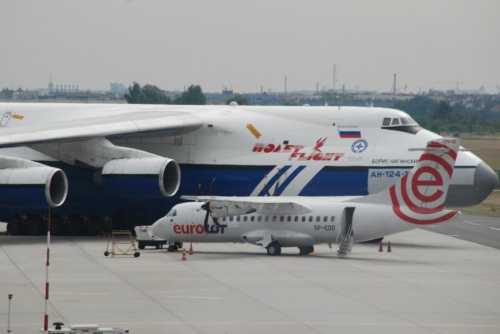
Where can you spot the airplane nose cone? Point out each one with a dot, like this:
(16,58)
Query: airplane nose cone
(485,181)
(153,228)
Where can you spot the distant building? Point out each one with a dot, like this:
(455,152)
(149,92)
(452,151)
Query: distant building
(117,88)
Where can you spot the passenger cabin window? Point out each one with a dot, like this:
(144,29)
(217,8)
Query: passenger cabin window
(332,219)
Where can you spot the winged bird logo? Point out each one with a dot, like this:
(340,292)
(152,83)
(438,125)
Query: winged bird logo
(319,143)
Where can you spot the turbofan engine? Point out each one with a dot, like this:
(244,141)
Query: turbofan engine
(145,177)
(34,187)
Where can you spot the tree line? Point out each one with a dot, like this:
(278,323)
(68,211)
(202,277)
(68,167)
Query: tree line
(441,116)
(437,116)
(151,94)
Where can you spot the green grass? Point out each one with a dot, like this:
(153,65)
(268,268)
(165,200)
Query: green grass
(486,147)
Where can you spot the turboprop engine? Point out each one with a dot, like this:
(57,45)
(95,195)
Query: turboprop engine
(150,177)
(25,183)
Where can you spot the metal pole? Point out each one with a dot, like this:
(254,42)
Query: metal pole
(8,317)
(46,316)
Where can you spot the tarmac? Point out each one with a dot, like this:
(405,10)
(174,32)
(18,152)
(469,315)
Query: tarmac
(429,283)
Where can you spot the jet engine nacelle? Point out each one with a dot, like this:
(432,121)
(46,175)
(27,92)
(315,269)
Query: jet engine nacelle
(141,178)
(34,187)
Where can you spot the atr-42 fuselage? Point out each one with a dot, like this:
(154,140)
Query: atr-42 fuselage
(321,226)
(289,151)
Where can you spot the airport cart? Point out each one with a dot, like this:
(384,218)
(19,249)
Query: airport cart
(145,238)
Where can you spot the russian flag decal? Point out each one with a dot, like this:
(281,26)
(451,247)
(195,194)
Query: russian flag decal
(349,132)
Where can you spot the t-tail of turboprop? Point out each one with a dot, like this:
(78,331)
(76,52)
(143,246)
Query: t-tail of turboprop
(419,196)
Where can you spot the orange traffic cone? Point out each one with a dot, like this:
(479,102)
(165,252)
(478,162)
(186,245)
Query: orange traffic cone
(191,249)
(184,258)
(389,250)
(381,248)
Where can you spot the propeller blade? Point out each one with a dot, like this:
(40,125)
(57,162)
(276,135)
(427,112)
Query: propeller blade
(266,189)
(275,193)
(205,223)
(212,187)
(200,189)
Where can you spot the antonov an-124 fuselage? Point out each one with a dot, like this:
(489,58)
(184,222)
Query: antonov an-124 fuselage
(93,163)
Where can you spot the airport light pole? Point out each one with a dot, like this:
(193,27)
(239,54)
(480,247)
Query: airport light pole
(8,316)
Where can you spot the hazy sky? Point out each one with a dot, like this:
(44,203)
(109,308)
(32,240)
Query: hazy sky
(249,44)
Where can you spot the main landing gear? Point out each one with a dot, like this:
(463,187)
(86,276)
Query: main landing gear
(274,248)
(306,249)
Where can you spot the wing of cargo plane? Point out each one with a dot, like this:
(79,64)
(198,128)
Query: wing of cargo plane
(168,122)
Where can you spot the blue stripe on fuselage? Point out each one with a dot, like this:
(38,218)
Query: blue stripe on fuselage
(86,198)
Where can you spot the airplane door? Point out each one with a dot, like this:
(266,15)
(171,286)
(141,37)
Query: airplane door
(5,119)
(345,237)
(346,222)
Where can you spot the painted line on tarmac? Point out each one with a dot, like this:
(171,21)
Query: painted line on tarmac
(80,293)
(298,323)
(495,228)
(189,290)
(471,223)
(192,297)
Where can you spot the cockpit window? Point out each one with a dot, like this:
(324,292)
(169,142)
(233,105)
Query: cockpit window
(408,121)
(174,213)
(403,124)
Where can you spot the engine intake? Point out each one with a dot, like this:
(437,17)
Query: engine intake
(142,178)
(33,187)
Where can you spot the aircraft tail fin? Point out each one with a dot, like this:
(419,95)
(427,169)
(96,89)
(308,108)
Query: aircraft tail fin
(419,196)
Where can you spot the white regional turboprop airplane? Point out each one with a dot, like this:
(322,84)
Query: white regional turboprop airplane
(126,163)
(274,222)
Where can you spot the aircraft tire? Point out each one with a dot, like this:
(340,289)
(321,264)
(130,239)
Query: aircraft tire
(57,226)
(306,249)
(76,226)
(95,226)
(15,226)
(34,226)
(274,248)
(172,248)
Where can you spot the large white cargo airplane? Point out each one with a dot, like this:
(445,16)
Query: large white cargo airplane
(274,222)
(124,162)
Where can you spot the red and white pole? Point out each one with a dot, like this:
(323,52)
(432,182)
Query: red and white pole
(46,316)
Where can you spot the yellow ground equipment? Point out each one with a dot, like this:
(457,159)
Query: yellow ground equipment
(123,238)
